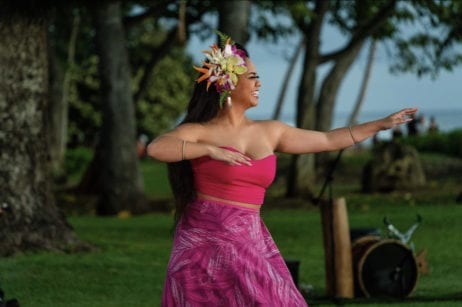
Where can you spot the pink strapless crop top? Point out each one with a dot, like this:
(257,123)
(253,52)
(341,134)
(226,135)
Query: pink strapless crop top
(244,183)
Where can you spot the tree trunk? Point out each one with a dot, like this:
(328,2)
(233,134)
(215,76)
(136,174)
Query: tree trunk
(285,84)
(328,96)
(121,182)
(330,86)
(234,19)
(29,218)
(59,94)
(301,174)
(55,112)
(362,91)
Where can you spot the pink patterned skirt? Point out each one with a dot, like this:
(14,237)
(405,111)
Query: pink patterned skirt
(223,255)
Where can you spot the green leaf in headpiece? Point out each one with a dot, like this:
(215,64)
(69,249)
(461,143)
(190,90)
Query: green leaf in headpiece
(222,98)
(223,38)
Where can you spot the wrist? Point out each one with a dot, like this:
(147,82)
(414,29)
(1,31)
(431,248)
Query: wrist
(384,124)
(209,150)
(352,135)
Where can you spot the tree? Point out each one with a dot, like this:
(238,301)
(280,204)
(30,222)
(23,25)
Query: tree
(161,101)
(60,84)
(113,173)
(434,45)
(234,19)
(285,84)
(159,67)
(365,81)
(121,182)
(359,20)
(301,170)
(426,51)
(29,218)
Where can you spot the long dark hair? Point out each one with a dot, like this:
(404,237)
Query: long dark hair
(203,106)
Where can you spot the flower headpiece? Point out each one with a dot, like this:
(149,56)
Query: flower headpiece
(222,66)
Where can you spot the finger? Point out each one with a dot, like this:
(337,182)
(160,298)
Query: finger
(410,111)
(406,115)
(246,160)
(232,159)
(240,160)
(233,162)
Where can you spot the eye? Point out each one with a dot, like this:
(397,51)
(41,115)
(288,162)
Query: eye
(254,77)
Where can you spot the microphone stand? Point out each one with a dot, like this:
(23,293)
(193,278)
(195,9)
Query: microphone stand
(330,243)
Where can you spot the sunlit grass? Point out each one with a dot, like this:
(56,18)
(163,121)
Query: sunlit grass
(129,267)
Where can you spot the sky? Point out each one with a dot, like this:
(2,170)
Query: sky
(385,93)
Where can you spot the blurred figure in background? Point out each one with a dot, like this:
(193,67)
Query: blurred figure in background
(433,126)
(141,144)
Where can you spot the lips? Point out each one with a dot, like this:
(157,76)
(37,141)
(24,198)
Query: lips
(256,93)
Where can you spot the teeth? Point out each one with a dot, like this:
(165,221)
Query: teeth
(256,93)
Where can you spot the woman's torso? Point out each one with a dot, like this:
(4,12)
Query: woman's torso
(254,140)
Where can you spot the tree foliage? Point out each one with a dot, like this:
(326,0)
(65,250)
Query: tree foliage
(169,85)
(422,36)
(160,104)
(430,40)
(168,95)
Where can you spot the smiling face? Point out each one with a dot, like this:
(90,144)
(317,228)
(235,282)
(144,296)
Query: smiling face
(248,87)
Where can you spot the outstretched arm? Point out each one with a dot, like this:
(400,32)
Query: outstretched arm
(298,141)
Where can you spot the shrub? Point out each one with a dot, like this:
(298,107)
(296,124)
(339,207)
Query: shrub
(455,143)
(77,159)
(449,143)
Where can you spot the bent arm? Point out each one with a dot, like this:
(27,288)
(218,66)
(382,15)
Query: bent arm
(177,145)
(183,143)
(170,148)
(298,141)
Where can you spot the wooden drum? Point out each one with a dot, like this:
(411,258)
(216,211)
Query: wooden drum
(383,268)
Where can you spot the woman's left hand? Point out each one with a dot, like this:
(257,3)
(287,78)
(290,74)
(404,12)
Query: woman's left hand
(398,118)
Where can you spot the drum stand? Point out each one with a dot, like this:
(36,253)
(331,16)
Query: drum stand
(376,267)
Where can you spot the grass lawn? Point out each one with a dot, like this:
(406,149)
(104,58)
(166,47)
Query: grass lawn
(129,267)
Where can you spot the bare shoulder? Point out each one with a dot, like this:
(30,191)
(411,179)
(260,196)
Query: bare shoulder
(272,126)
(272,129)
(190,127)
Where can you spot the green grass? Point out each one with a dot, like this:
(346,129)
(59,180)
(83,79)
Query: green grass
(129,267)
(127,270)
(154,174)
(298,234)
(155,183)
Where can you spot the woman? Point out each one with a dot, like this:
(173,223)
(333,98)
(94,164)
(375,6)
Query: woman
(220,164)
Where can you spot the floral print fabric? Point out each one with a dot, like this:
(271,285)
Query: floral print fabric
(223,255)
